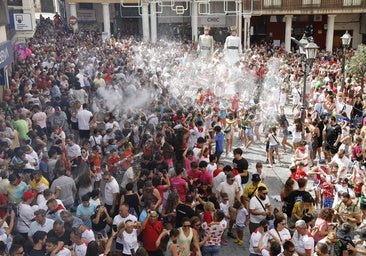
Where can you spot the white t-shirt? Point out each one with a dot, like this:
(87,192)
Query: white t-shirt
(83,117)
(127,177)
(229,189)
(119,219)
(211,168)
(254,204)
(219,178)
(80,249)
(254,241)
(26,215)
(241,217)
(130,242)
(282,235)
(88,235)
(110,189)
(64,252)
(303,242)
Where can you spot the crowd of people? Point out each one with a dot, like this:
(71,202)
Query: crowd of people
(108,148)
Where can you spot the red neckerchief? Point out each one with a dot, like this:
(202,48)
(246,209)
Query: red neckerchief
(59,207)
(235,172)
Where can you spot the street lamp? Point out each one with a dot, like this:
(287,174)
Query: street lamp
(346,41)
(311,50)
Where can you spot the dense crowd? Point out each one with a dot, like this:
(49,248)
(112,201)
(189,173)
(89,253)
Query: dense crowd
(117,148)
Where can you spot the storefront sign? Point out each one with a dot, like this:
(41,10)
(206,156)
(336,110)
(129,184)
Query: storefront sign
(212,21)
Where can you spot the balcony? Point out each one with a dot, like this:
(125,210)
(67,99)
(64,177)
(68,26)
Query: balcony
(306,6)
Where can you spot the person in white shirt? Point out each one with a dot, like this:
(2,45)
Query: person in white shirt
(86,233)
(129,233)
(84,117)
(259,235)
(25,213)
(119,223)
(218,176)
(40,223)
(343,163)
(73,150)
(111,192)
(259,208)
(302,239)
(279,232)
(78,246)
(52,248)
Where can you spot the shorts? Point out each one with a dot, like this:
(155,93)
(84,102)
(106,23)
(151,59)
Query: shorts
(249,132)
(84,134)
(328,202)
(232,213)
(273,147)
(74,126)
(286,132)
(238,227)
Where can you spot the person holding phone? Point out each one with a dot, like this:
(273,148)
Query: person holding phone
(259,235)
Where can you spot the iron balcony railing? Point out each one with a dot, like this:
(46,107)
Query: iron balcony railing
(305,5)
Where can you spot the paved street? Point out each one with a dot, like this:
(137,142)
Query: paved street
(275,178)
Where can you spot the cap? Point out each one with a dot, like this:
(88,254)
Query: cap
(256,177)
(300,224)
(57,109)
(28,195)
(76,223)
(230,176)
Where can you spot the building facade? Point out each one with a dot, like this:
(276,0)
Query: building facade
(258,21)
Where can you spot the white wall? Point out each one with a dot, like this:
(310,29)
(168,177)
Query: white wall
(349,22)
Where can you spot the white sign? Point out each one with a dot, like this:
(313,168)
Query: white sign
(23,21)
(212,21)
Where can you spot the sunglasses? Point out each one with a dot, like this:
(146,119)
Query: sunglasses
(186,226)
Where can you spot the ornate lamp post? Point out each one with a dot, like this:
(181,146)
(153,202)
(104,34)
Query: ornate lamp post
(346,41)
(311,50)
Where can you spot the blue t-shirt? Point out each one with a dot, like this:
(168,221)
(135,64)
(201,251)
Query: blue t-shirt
(82,211)
(220,140)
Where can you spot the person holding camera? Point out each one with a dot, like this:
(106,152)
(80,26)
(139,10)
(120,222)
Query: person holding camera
(259,235)
(129,233)
(259,208)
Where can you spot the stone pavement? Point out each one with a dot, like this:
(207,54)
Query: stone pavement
(274,178)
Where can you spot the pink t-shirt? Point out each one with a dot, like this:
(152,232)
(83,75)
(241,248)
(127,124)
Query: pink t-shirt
(194,174)
(322,225)
(187,163)
(206,177)
(179,185)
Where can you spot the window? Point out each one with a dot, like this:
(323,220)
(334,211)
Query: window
(86,6)
(351,2)
(311,2)
(271,3)
(47,6)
